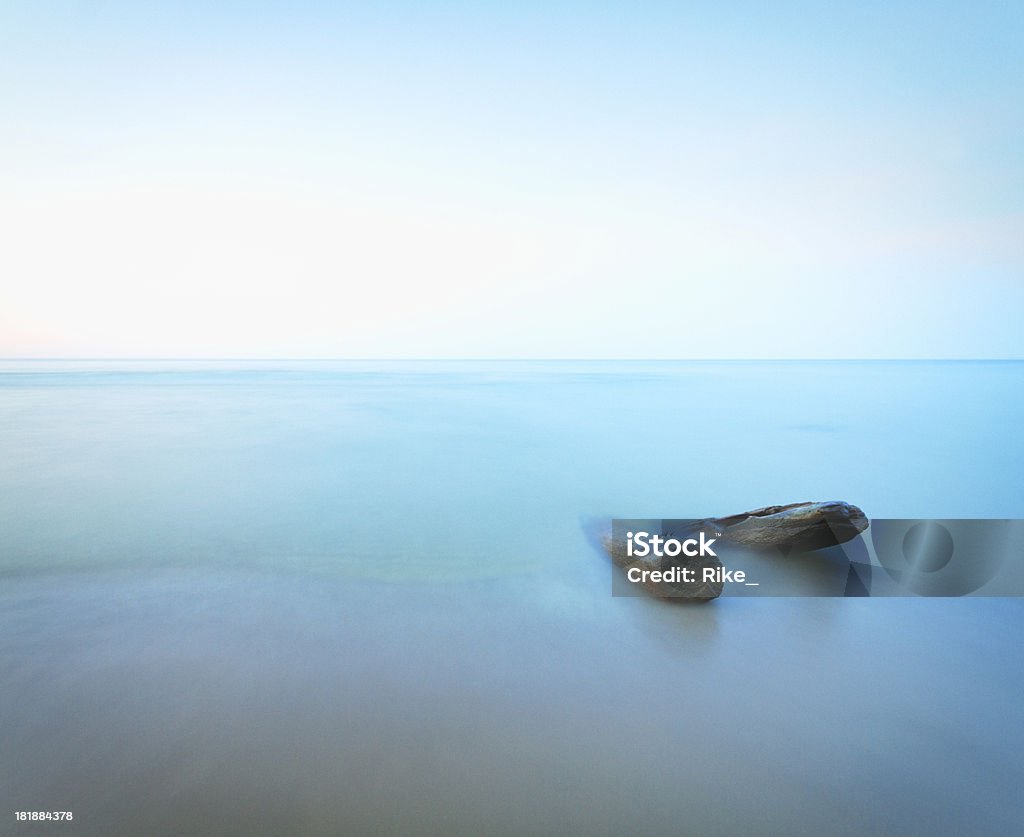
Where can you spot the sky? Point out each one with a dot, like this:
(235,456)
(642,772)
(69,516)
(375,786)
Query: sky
(487,180)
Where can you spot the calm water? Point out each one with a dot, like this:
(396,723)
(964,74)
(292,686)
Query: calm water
(242,598)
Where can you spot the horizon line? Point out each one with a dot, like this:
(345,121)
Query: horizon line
(290,359)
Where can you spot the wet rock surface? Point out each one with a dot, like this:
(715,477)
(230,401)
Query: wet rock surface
(682,577)
(798,527)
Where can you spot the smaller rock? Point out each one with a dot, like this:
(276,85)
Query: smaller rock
(696,590)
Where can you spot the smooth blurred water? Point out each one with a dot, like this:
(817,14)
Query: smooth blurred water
(326,597)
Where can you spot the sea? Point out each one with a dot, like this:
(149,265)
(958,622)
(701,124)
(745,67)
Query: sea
(361,597)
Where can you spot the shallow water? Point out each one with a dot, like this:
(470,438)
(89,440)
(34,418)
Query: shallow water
(321,597)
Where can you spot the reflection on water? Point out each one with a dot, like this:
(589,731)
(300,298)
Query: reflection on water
(316,598)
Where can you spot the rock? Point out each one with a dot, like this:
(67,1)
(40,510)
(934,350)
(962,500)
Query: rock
(798,527)
(695,590)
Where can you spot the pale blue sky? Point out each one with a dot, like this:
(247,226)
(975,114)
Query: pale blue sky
(489,180)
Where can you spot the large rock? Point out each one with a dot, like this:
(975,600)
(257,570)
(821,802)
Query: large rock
(798,527)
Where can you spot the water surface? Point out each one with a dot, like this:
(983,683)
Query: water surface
(263,597)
